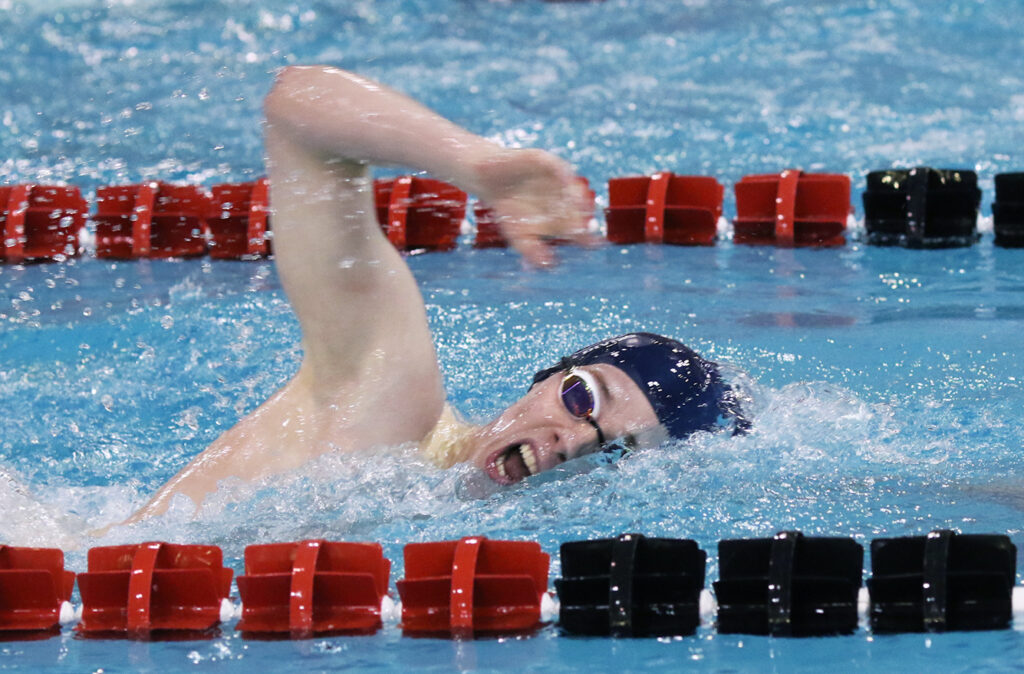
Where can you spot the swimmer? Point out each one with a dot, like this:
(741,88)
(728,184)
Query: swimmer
(369,375)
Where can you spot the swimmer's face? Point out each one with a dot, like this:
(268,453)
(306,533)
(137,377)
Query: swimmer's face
(544,429)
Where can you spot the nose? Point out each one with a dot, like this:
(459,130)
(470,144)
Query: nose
(570,442)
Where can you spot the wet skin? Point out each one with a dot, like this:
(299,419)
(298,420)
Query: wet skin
(324,129)
(537,432)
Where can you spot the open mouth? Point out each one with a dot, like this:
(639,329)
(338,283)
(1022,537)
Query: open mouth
(514,463)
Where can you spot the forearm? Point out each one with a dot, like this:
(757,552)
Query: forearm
(338,116)
(325,125)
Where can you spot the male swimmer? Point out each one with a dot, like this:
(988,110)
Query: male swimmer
(369,376)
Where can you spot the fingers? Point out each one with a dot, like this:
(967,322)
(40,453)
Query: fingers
(571,221)
(528,236)
(536,252)
(582,202)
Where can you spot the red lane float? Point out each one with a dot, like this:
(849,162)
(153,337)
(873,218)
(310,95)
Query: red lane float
(136,590)
(154,220)
(238,220)
(664,208)
(471,586)
(488,229)
(313,587)
(419,213)
(33,584)
(792,208)
(40,222)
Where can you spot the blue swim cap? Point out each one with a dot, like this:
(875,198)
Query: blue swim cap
(686,391)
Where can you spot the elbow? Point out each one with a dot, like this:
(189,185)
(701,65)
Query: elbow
(280,103)
(310,105)
(294,89)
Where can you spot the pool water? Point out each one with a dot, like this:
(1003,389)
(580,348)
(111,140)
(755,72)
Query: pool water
(886,383)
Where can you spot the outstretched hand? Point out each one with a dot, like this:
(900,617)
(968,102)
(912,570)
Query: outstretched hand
(537,199)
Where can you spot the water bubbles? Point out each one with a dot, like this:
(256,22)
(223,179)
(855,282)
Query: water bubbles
(167,322)
(38,524)
(190,418)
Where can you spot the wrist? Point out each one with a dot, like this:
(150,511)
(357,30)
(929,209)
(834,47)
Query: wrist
(471,163)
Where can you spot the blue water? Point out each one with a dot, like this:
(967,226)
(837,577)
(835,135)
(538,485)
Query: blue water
(887,384)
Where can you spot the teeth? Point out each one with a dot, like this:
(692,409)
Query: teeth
(528,455)
(529,458)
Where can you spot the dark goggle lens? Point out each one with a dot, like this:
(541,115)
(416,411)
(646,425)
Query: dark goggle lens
(577,396)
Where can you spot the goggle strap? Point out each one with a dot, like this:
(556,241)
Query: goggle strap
(600,434)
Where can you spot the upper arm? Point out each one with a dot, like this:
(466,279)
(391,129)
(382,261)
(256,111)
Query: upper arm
(361,313)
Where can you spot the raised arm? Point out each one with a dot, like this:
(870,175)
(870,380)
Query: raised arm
(349,287)
(369,375)
(334,115)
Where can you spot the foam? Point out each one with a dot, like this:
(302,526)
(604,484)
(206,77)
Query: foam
(800,431)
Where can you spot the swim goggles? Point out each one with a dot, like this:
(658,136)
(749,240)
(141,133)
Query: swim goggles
(579,397)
